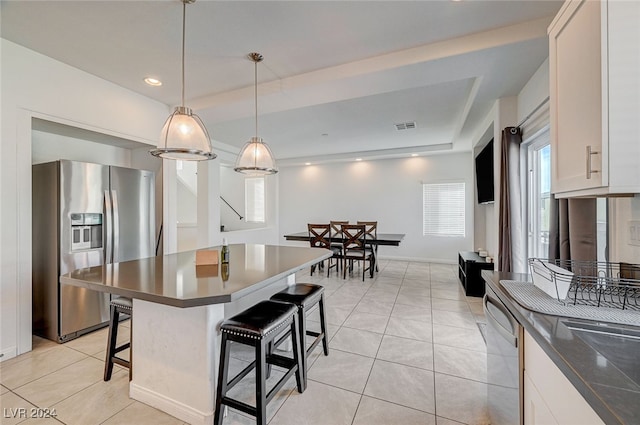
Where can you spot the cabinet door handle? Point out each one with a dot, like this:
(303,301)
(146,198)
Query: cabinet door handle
(589,170)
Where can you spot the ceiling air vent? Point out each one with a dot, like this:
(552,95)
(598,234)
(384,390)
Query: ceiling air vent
(405,125)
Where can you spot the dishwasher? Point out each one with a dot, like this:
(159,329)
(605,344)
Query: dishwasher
(504,336)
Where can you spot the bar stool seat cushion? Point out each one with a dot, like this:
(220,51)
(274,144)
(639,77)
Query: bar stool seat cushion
(123,303)
(301,294)
(259,320)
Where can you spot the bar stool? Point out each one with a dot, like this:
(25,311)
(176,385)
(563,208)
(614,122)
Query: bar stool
(305,296)
(119,306)
(258,326)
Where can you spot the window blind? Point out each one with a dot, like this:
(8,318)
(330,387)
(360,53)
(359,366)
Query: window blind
(443,208)
(254,200)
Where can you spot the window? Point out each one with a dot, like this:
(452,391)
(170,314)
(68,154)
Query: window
(539,194)
(602,234)
(254,200)
(443,209)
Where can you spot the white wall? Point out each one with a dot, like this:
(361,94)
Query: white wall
(187,208)
(530,97)
(46,147)
(187,215)
(34,85)
(389,191)
(187,205)
(232,189)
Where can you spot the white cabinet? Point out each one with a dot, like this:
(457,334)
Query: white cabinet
(549,397)
(536,411)
(594,59)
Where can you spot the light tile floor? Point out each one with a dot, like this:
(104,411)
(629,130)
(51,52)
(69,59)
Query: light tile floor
(405,349)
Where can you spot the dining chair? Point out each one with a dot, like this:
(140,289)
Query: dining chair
(319,238)
(336,237)
(371,230)
(355,248)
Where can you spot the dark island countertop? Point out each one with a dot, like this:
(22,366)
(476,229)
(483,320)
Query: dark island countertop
(612,394)
(175,279)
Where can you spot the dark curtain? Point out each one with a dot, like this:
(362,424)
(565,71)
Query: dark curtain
(573,229)
(510,219)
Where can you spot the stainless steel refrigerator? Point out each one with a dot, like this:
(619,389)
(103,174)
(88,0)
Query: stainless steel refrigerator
(84,215)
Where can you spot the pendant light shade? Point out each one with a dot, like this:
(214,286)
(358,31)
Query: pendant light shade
(256,158)
(184,136)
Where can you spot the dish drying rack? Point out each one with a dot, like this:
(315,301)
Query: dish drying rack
(594,283)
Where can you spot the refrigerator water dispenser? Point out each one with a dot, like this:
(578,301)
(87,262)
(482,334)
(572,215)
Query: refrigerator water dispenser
(86,231)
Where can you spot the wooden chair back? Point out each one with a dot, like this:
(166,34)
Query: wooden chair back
(336,229)
(319,235)
(355,236)
(371,229)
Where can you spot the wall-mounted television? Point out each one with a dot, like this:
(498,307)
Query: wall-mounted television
(484,174)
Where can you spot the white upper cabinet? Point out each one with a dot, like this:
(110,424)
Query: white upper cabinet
(594,59)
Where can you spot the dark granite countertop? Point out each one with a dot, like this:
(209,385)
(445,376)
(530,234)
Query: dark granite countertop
(175,280)
(585,359)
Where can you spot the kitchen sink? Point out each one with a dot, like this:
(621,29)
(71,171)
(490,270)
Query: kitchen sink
(604,328)
(618,344)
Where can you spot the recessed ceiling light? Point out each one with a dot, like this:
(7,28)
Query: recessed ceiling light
(414,154)
(153,81)
(307,163)
(358,159)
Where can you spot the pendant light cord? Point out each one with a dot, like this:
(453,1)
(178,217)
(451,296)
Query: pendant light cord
(184,24)
(256,93)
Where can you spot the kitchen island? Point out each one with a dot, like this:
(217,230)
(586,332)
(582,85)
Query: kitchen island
(606,384)
(178,308)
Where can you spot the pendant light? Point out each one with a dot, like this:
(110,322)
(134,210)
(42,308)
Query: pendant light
(256,158)
(184,136)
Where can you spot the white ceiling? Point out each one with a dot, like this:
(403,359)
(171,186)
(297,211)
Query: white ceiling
(336,76)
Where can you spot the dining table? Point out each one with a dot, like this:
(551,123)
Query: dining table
(389,239)
(178,307)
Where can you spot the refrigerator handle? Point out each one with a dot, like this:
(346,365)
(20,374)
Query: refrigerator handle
(116,226)
(108,248)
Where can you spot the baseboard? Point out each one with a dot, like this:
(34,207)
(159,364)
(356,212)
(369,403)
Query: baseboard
(419,259)
(8,353)
(170,406)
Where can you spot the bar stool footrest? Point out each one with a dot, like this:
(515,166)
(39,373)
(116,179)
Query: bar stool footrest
(281,361)
(244,372)
(273,359)
(318,339)
(121,362)
(280,384)
(309,333)
(122,348)
(238,405)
